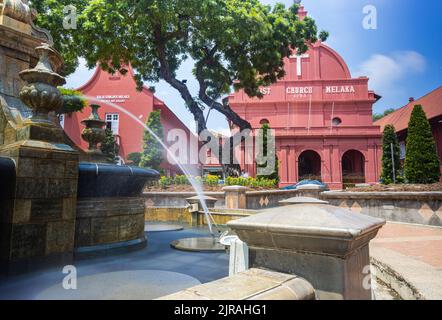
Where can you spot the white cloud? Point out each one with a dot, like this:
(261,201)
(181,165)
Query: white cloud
(385,71)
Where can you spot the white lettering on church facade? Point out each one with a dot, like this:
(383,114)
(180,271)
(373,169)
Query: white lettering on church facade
(339,89)
(265,91)
(299,90)
(114,98)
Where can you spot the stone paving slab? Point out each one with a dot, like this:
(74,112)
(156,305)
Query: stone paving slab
(409,257)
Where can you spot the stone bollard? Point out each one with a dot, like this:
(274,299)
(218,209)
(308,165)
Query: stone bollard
(236,197)
(239,257)
(195,208)
(326,245)
(310,191)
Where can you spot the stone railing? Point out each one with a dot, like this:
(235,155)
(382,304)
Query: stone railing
(178,199)
(256,200)
(408,207)
(253,200)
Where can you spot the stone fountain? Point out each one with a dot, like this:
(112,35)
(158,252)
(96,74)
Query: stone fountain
(110,209)
(51,204)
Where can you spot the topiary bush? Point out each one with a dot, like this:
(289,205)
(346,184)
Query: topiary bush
(389,138)
(422,164)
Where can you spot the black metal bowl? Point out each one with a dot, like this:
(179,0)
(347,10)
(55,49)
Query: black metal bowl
(97,180)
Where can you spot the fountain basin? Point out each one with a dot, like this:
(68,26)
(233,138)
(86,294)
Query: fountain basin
(98,180)
(110,208)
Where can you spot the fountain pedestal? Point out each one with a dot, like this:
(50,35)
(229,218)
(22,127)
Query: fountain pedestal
(328,246)
(40,225)
(94,134)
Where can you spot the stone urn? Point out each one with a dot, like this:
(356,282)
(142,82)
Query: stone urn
(94,133)
(40,93)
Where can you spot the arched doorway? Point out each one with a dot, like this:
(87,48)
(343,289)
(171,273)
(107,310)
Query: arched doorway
(309,166)
(353,168)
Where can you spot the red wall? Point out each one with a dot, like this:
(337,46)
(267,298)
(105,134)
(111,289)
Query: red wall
(140,104)
(302,121)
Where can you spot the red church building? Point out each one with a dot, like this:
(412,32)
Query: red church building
(121,90)
(322,118)
(432,105)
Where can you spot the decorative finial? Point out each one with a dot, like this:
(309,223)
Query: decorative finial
(93,133)
(40,93)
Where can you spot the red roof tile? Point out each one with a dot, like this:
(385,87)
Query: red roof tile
(431,103)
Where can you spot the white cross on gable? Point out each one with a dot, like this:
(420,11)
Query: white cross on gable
(299,58)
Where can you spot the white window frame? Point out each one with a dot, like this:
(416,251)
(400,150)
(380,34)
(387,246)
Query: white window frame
(403,148)
(114,120)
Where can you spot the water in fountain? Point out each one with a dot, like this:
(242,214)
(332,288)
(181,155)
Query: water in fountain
(195,184)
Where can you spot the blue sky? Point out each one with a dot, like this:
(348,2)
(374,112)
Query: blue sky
(402,57)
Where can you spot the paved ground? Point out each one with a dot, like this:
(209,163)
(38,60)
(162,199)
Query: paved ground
(145,274)
(414,253)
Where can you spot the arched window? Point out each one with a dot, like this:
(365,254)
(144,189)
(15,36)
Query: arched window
(264,121)
(353,168)
(309,166)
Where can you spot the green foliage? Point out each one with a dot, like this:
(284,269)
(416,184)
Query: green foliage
(109,147)
(378,116)
(153,154)
(72,101)
(390,137)
(181,180)
(264,135)
(234,43)
(422,164)
(252,182)
(212,180)
(134,158)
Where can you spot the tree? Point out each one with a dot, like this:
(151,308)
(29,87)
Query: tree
(109,147)
(232,43)
(379,116)
(153,153)
(134,158)
(390,138)
(267,152)
(422,164)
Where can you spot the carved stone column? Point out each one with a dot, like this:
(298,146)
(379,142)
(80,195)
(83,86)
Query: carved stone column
(39,225)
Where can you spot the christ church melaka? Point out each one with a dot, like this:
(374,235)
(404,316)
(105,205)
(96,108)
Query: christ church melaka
(322,120)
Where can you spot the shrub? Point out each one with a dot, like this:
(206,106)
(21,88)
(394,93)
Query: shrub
(252,182)
(152,155)
(264,135)
(109,147)
(422,164)
(134,158)
(211,180)
(389,138)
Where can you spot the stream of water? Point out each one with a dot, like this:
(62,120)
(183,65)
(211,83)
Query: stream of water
(195,184)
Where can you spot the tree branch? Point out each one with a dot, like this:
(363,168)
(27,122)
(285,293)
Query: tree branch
(167,75)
